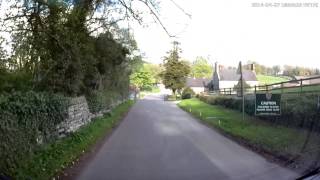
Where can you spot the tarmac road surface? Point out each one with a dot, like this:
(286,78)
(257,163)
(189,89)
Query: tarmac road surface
(159,141)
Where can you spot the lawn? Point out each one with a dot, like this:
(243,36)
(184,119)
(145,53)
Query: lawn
(279,140)
(265,79)
(49,160)
(309,88)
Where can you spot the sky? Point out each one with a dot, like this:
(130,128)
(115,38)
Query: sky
(229,31)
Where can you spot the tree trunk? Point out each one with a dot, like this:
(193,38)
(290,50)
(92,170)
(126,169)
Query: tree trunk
(174,92)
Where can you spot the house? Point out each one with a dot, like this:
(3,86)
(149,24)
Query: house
(228,78)
(198,85)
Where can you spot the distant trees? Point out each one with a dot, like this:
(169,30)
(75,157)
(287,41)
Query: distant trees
(200,68)
(299,71)
(276,69)
(175,71)
(146,76)
(155,71)
(261,69)
(287,70)
(68,47)
(142,79)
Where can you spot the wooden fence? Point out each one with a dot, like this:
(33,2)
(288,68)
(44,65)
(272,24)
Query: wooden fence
(307,85)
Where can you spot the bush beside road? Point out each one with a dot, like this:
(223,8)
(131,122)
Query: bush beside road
(281,142)
(51,159)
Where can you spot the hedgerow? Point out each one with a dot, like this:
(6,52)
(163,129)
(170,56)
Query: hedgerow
(27,119)
(187,93)
(299,111)
(101,100)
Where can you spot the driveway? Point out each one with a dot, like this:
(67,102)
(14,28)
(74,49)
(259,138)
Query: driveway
(159,141)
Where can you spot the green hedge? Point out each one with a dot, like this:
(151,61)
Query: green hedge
(49,160)
(187,93)
(26,120)
(297,111)
(98,100)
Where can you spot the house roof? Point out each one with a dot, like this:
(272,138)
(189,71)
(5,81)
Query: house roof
(197,82)
(231,75)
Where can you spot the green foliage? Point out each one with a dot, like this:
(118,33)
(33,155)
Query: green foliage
(238,86)
(155,71)
(298,71)
(173,97)
(175,71)
(296,111)
(27,118)
(146,76)
(54,47)
(261,69)
(142,79)
(287,70)
(187,93)
(15,81)
(50,159)
(262,135)
(101,100)
(200,68)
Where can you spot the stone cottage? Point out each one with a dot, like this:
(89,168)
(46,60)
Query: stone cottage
(228,78)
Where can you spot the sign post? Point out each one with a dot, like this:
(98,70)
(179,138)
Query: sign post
(268,104)
(239,71)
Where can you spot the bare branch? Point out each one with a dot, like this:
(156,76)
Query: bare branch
(157,17)
(179,7)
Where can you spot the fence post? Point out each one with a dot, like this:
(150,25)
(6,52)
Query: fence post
(230,91)
(255,89)
(281,87)
(300,85)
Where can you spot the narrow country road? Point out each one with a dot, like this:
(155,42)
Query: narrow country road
(159,141)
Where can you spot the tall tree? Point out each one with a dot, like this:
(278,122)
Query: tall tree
(200,68)
(142,79)
(175,71)
(276,69)
(155,71)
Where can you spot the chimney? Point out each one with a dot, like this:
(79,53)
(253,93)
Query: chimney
(220,67)
(216,67)
(252,67)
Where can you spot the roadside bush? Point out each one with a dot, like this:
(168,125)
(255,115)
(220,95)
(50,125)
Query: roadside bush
(301,111)
(187,93)
(27,119)
(172,98)
(101,100)
(297,111)
(15,81)
(97,101)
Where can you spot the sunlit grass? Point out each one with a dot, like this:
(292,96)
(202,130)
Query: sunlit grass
(278,139)
(265,79)
(52,158)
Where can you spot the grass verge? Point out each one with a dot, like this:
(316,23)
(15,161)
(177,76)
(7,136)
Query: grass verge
(50,159)
(265,79)
(282,142)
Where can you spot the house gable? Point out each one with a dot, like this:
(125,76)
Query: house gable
(231,75)
(196,82)
(223,78)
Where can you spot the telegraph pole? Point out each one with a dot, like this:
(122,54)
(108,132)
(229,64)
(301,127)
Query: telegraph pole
(242,91)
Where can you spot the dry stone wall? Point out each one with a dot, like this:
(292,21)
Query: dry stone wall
(79,115)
